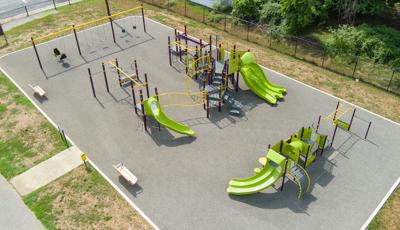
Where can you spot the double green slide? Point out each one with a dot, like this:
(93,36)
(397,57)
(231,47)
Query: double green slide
(152,108)
(255,78)
(272,171)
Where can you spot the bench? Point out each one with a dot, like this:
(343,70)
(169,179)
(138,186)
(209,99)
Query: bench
(37,90)
(125,173)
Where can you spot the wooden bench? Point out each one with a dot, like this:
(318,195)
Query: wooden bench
(37,90)
(125,173)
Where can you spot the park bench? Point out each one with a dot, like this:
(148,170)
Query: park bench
(125,173)
(38,90)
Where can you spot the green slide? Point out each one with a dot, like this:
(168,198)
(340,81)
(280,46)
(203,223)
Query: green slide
(257,81)
(271,172)
(152,108)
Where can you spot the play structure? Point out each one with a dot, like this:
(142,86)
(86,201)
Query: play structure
(288,158)
(337,119)
(212,71)
(60,51)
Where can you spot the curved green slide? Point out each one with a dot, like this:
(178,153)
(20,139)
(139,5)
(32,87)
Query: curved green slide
(256,80)
(152,108)
(271,172)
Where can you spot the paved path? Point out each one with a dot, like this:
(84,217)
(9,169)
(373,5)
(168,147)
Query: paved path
(47,171)
(14,213)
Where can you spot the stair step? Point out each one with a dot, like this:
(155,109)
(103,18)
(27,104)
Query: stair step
(234,112)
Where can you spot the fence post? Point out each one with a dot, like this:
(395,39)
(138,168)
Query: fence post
(295,47)
(225,23)
(69,2)
(248,30)
(355,67)
(26,10)
(323,58)
(54,3)
(168,5)
(270,39)
(390,82)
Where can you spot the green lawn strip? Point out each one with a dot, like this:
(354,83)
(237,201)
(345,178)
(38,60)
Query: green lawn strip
(81,199)
(23,148)
(387,218)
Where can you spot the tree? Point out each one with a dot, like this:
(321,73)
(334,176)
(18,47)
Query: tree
(247,9)
(301,13)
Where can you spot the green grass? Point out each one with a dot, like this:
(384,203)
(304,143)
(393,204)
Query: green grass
(82,199)
(386,219)
(42,207)
(22,148)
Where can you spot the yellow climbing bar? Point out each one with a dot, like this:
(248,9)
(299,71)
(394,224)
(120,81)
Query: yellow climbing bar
(137,83)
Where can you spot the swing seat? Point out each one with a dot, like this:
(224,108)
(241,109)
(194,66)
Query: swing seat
(134,27)
(63,56)
(123,31)
(38,90)
(56,52)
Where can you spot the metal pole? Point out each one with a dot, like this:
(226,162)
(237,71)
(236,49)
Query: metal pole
(248,30)
(295,48)
(133,97)
(54,3)
(220,97)
(355,67)
(337,106)
(144,23)
(76,39)
(225,23)
(185,7)
(284,173)
(105,76)
(323,59)
(119,74)
(136,70)
(69,2)
(156,92)
(143,113)
(305,160)
(208,105)
(319,121)
(91,82)
(111,21)
(147,85)
(390,82)
(37,54)
(351,120)
(26,10)
(369,126)
(334,134)
(169,50)
(204,14)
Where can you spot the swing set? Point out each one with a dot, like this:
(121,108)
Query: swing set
(61,53)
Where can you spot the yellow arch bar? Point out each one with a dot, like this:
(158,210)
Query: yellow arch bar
(86,23)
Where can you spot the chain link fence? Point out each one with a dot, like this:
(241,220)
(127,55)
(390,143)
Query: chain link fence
(361,68)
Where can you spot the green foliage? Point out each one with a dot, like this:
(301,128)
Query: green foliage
(271,15)
(301,13)
(381,43)
(215,17)
(221,7)
(170,3)
(247,9)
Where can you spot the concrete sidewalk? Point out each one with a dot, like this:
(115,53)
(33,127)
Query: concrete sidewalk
(47,171)
(14,213)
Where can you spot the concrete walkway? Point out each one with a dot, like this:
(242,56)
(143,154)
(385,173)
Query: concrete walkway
(14,213)
(47,171)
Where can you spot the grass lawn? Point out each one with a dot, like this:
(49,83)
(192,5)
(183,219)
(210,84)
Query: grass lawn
(26,137)
(388,216)
(83,199)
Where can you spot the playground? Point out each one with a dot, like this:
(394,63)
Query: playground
(123,95)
